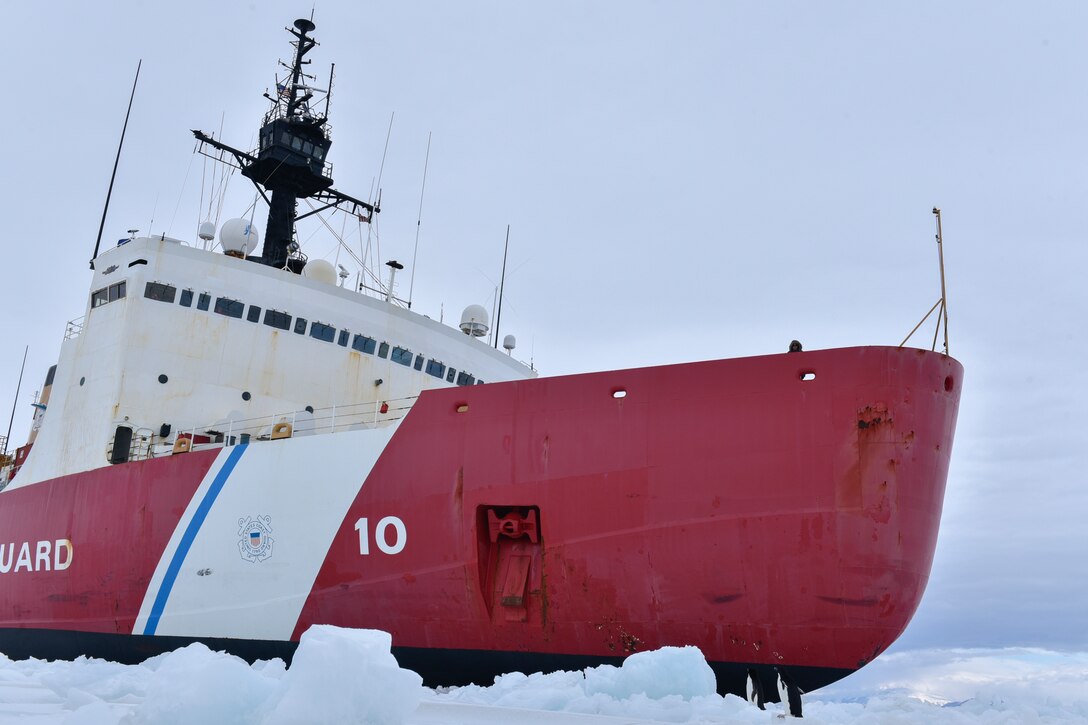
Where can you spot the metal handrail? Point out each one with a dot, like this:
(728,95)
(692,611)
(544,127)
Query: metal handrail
(336,418)
(74,328)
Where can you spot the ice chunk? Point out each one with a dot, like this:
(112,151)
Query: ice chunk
(194,684)
(346,675)
(656,674)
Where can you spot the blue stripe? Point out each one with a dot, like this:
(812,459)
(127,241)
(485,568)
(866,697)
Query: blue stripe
(190,535)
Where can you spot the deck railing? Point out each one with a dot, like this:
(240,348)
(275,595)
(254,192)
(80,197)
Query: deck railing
(74,328)
(277,426)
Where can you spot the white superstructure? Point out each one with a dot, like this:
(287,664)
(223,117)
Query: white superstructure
(183,343)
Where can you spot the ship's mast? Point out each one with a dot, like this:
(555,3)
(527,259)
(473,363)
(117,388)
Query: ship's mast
(289,163)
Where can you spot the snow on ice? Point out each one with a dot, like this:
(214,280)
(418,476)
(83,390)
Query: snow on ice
(349,676)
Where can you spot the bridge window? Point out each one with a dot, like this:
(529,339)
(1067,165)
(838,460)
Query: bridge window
(419,362)
(342,341)
(186,298)
(254,314)
(321,331)
(108,294)
(277,319)
(436,368)
(160,292)
(464,378)
(383,350)
(451,375)
(229,307)
(402,356)
(300,325)
(364,344)
(203,301)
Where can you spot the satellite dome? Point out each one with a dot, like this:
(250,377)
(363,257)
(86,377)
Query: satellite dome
(474,321)
(207,231)
(320,270)
(509,343)
(238,237)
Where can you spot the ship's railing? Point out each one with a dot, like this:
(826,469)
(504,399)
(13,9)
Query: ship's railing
(290,424)
(7,463)
(74,328)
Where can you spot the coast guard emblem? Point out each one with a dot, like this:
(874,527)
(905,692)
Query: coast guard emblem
(255,542)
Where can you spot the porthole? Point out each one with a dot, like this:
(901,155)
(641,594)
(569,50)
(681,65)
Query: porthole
(163,379)
(246,395)
(81,381)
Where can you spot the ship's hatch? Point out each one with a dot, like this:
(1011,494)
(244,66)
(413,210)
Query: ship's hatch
(122,444)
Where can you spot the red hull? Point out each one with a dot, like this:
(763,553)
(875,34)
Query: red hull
(732,505)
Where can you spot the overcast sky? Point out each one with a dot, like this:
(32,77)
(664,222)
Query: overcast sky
(683,181)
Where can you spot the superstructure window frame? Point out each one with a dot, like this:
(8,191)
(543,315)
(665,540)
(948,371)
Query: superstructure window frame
(436,369)
(362,343)
(186,299)
(109,293)
(229,307)
(160,292)
(277,319)
(203,302)
(300,325)
(254,314)
(323,332)
(401,356)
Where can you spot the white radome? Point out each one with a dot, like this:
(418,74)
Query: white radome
(474,321)
(320,270)
(238,235)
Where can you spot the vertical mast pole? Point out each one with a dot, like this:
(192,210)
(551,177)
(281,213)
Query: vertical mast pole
(502,284)
(419,218)
(116,161)
(18,389)
(944,294)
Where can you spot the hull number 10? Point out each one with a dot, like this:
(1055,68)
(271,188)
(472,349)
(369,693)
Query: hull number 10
(387,543)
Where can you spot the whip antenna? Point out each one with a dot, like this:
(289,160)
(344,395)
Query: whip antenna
(502,283)
(18,388)
(116,161)
(419,219)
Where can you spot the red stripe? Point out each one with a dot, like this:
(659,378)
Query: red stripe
(119,520)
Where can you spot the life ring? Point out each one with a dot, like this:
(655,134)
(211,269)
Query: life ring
(281,430)
(183,445)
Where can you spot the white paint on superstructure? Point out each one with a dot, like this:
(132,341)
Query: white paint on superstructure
(143,363)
